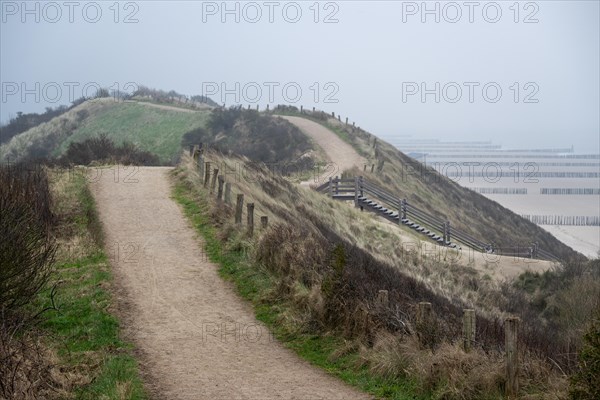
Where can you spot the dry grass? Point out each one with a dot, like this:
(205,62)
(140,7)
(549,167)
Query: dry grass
(320,298)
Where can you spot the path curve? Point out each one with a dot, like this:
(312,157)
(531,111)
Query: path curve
(195,337)
(342,155)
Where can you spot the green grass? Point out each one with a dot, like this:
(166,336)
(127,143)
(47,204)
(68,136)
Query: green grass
(83,331)
(152,129)
(253,282)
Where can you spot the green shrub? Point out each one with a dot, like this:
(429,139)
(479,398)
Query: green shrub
(585,384)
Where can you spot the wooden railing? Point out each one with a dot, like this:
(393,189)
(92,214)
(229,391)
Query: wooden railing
(361,190)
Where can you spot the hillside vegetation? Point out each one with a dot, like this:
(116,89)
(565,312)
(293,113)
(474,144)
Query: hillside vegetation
(314,275)
(152,129)
(467,211)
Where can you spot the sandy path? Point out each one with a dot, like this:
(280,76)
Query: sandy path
(196,338)
(341,155)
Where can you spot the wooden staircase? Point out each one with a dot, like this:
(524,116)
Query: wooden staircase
(370,197)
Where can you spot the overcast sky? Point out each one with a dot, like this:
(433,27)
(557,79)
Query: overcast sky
(522,76)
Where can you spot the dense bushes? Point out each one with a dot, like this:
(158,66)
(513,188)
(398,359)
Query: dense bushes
(102,149)
(261,138)
(585,384)
(27,250)
(26,245)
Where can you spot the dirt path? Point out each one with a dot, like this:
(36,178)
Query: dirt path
(341,155)
(196,338)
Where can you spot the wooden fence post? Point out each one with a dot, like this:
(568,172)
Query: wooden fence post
(444,232)
(206,173)
(213,183)
(250,209)
(220,190)
(239,208)
(264,221)
(448,237)
(382,301)
(468,329)
(228,193)
(330,188)
(511,329)
(200,165)
(403,206)
(424,322)
(356,189)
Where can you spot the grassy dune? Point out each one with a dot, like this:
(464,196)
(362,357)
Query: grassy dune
(150,128)
(154,129)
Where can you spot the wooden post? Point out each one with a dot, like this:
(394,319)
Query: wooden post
(444,232)
(330,188)
(404,203)
(382,301)
(206,173)
(264,221)
(448,232)
(201,165)
(250,209)
(257,107)
(301,109)
(228,193)
(220,190)
(424,322)
(356,189)
(511,343)
(468,329)
(346,120)
(372,167)
(213,183)
(239,208)
(333,114)
(337,185)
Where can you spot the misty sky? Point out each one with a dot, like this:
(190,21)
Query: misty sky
(373,58)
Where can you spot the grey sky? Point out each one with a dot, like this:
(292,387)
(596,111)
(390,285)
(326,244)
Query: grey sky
(366,57)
